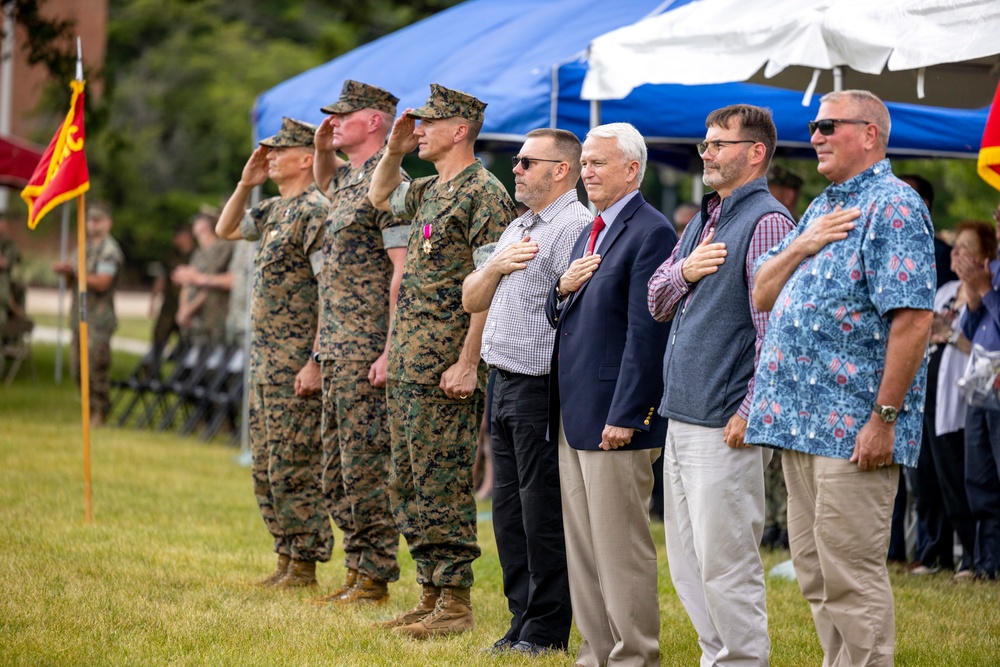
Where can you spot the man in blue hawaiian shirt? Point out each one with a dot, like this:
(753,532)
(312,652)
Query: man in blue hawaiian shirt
(840,380)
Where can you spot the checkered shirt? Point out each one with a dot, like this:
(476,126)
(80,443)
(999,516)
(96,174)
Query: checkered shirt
(517,337)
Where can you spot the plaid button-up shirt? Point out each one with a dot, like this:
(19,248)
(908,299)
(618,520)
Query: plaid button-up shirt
(517,337)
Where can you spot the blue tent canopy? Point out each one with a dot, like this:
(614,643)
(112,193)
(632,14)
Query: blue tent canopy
(526,59)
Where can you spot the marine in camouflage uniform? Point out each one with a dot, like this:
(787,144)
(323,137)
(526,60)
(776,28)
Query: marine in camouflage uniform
(208,325)
(181,249)
(104,266)
(435,380)
(285,406)
(362,249)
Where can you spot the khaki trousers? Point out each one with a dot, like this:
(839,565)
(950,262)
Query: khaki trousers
(838,528)
(610,554)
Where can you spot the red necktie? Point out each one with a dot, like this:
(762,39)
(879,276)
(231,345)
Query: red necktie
(594,231)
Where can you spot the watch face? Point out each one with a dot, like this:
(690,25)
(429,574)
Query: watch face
(888,413)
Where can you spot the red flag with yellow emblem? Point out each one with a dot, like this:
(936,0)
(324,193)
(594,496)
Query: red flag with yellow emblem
(62,174)
(989,151)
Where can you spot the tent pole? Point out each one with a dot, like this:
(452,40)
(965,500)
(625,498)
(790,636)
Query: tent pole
(838,78)
(595,113)
(554,97)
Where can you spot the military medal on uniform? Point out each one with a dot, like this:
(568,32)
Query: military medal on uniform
(427,239)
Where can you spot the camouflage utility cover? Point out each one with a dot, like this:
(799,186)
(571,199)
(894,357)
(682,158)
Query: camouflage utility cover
(355,96)
(448,103)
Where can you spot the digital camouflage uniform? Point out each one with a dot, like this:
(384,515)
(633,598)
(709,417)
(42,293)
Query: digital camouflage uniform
(166,319)
(354,285)
(105,258)
(208,326)
(12,256)
(455,225)
(284,428)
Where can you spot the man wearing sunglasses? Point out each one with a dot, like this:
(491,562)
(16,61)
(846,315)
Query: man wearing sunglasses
(714,482)
(517,343)
(435,382)
(841,375)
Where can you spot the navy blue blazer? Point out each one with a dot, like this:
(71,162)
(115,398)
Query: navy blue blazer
(607,363)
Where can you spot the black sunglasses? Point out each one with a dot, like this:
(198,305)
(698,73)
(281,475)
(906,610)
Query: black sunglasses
(826,126)
(525,162)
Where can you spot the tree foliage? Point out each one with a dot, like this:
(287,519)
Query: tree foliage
(174,128)
(48,41)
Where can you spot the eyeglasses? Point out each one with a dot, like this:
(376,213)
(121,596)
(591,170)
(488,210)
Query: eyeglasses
(713,147)
(525,162)
(826,126)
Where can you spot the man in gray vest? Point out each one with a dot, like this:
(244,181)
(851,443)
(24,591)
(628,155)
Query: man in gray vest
(713,482)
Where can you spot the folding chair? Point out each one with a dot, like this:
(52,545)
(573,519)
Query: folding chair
(16,348)
(198,395)
(227,402)
(137,386)
(184,390)
(159,391)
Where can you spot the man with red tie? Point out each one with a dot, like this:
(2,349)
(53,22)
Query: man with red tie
(606,381)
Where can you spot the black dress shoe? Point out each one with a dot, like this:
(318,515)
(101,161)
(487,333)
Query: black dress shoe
(502,645)
(527,648)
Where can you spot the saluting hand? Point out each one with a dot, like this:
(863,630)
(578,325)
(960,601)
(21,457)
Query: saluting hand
(401,140)
(323,140)
(255,170)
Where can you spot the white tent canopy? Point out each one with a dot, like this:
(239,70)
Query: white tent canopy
(948,49)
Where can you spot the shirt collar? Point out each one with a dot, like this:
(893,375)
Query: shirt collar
(842,192)
(610,215)
(548,214)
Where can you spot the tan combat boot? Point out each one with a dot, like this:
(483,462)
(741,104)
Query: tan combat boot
(300,574)
(452,615)
(273,578)
(365,591)
(427,604)
(352,577)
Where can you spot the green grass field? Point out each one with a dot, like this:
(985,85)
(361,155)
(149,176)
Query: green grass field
(137,328)
(164,574)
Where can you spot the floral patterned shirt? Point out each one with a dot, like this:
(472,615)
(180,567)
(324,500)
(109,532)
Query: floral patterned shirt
(824,352)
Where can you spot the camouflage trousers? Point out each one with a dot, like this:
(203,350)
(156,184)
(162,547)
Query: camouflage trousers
(287,460)
(356,468)
(99,358)
(775,493)
(430,484)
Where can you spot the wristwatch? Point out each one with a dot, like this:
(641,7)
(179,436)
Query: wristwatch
(315,357)
(886,413)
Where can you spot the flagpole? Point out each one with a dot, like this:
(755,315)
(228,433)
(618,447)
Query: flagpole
(61,176)
(81,259)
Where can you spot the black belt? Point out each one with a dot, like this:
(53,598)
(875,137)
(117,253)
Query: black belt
(510,375)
